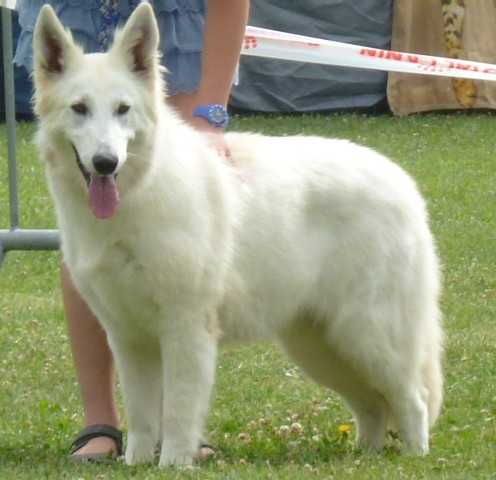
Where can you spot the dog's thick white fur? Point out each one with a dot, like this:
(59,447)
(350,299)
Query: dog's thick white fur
(321,245)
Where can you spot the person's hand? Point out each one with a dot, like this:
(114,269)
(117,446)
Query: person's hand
(215,136)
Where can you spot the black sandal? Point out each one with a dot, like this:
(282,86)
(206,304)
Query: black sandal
(206,445)
(96,431)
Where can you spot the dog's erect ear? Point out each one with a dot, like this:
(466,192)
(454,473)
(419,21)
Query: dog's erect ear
(137,42)
(52,44)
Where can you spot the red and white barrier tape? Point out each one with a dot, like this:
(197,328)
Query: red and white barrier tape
(261,42)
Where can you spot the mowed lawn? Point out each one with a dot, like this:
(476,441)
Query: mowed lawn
(267,420)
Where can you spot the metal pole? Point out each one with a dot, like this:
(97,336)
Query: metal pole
(8,72)
(27,239)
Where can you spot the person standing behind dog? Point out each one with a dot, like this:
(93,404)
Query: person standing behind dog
(201,42)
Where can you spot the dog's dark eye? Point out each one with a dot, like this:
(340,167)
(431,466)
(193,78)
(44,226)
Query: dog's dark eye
(122,109)
(80,108)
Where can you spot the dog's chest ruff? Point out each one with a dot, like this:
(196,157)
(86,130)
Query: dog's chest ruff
(120,283)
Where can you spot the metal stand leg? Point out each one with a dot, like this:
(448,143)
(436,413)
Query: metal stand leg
(8,72)
(15,238)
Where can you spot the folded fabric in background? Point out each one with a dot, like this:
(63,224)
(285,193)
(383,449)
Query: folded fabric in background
(270,85)
(450,28)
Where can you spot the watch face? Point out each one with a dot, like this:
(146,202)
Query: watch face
(217,114)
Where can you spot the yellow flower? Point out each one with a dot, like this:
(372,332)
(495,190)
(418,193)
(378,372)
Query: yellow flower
(345,428)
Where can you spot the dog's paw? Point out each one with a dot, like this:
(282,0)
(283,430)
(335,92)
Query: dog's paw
(175,461)
(170,458)
(140,449)
(420,450)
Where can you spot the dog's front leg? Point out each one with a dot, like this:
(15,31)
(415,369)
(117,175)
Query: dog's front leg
(189,351)
(140,374)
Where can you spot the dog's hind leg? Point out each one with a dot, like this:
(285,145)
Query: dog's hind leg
(393,369)
(399,374)
(370,413)
(140,374)
(307,346)
(416,399)
(410,413)
(189,351)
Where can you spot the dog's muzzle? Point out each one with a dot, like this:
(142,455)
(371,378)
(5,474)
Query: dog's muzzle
(102,187)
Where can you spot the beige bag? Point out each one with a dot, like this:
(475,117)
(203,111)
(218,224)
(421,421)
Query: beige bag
(446,28)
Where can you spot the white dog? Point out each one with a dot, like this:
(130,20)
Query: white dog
(318,244)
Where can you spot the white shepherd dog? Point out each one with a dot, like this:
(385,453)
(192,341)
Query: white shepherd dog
(318,244)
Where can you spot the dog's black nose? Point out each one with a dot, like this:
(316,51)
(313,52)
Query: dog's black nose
(105,164)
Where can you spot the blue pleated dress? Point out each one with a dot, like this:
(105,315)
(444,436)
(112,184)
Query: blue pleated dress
(181,31)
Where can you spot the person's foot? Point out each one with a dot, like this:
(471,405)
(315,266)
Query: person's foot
(97,443)
(205,452)
(99,446)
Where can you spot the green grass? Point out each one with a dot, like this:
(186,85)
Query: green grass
(258,390)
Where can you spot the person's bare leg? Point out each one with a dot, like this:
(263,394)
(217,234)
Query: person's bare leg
(94,365)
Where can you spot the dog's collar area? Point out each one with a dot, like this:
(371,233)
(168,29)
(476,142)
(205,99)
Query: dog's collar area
(86,174)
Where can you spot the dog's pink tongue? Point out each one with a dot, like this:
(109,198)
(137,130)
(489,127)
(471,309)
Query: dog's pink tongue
(104,196)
